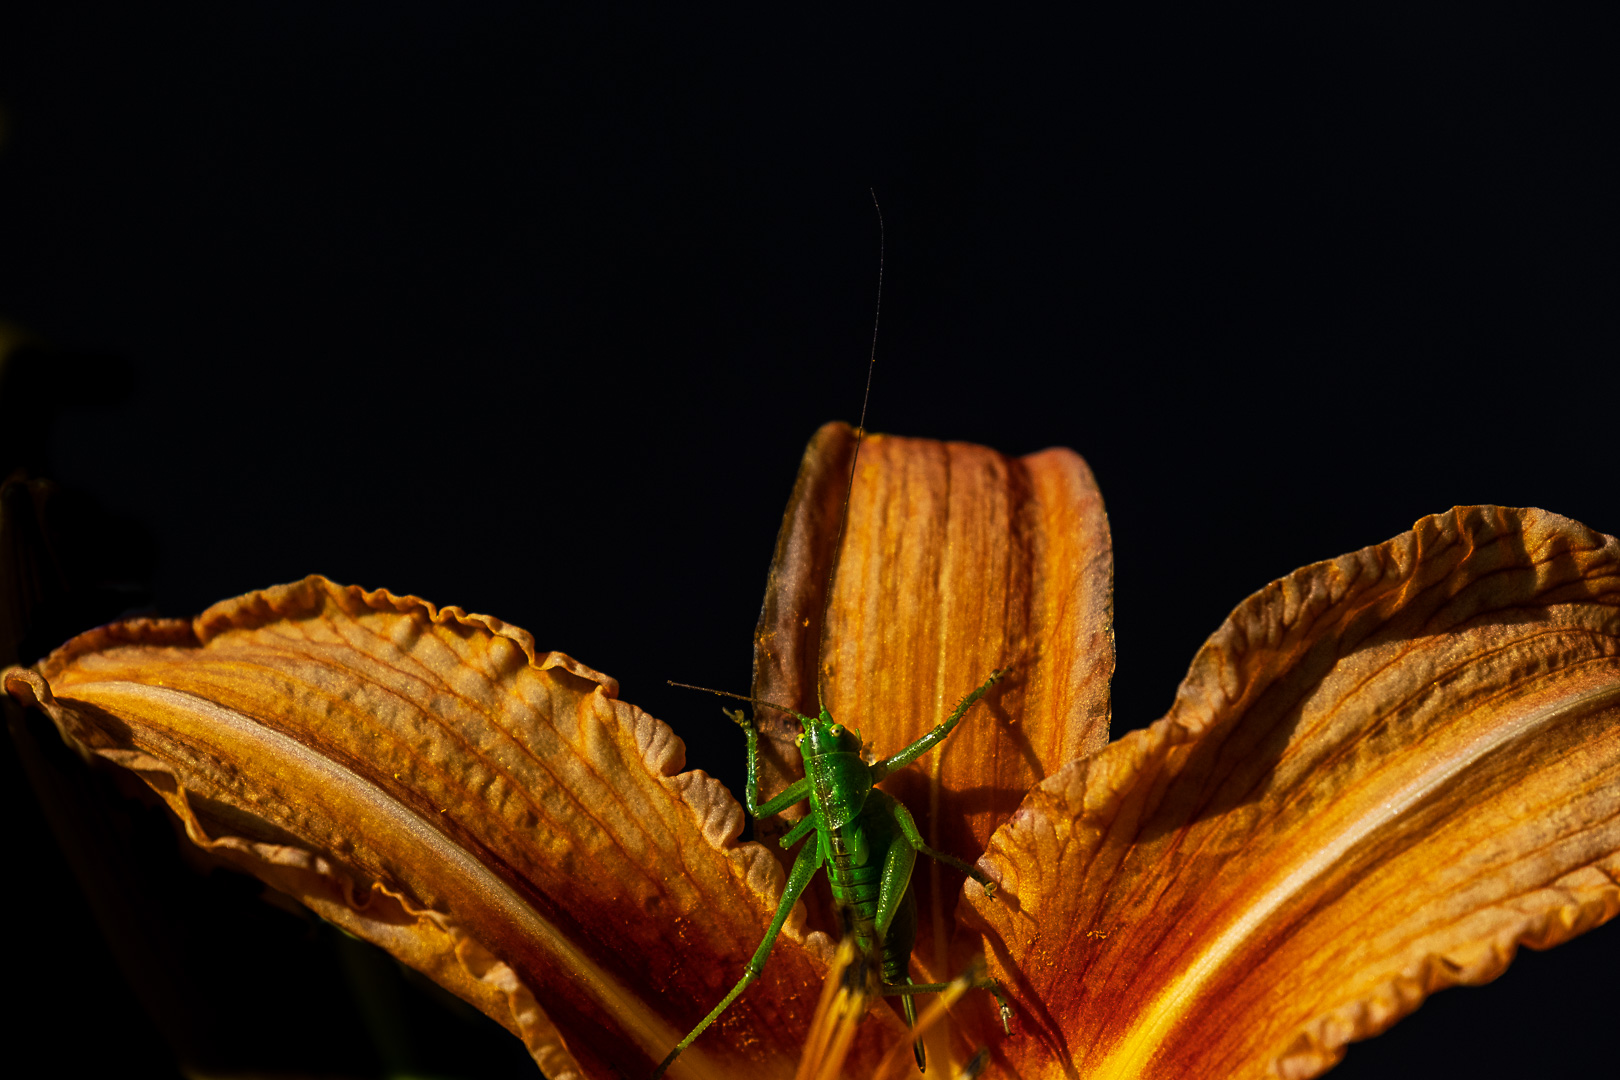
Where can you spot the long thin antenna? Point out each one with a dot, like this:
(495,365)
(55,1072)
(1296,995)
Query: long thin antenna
(860,433)
(739,697)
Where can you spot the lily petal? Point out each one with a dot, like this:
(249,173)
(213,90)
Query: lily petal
(1381,775)
(489,814)
(956,561)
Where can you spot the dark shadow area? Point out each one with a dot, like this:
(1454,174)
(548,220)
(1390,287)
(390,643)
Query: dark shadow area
(207,972)
(215,967)
(1543,1014)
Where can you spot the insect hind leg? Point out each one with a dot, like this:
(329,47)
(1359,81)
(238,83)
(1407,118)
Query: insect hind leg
(904,989)
(982,982)
(804,868)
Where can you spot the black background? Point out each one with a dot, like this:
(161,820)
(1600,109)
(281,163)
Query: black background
(533,313)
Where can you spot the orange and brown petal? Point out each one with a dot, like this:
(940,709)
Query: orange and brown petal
(1381,776)
(490,814)
(956,561)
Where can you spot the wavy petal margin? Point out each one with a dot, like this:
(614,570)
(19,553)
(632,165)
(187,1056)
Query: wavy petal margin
(489,814)
(956,561)
(1381,776)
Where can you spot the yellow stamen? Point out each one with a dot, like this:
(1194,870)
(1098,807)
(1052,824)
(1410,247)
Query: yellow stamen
(839,1011)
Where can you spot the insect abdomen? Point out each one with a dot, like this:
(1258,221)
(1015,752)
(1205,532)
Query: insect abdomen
(857,853)
(856,884)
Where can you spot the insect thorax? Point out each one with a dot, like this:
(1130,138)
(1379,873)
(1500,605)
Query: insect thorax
(840,783)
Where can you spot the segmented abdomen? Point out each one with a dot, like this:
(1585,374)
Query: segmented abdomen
(858,888)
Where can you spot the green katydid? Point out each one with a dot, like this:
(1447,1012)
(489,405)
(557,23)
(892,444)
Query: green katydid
(866,839)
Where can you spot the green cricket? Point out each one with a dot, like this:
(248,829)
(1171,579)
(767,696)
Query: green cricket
(866,838)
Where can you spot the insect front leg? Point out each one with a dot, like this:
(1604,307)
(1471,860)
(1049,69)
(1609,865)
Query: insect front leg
(794,792)
(804,868)
(937,735)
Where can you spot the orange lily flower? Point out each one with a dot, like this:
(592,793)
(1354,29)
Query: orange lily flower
(1382,774)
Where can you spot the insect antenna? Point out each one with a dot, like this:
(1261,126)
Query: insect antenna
(854,458)
(739,697)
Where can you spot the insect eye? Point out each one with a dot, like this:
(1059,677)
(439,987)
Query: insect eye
(838,729)
(798,740)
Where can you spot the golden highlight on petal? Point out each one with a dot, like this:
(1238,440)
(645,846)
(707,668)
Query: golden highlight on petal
(489,814)
(956,561)
(1382,775)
